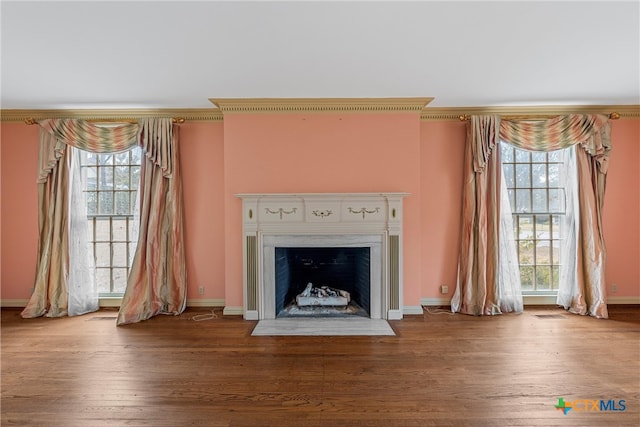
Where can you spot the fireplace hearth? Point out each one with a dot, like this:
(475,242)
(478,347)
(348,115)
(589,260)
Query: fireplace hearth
(351,242)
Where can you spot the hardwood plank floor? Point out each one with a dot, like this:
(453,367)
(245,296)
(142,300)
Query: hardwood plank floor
(439,370)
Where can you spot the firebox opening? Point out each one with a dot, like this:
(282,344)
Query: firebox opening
(322,281)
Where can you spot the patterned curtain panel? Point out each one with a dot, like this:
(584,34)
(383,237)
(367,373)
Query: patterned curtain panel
(480,257)
(157,283)
(58,276)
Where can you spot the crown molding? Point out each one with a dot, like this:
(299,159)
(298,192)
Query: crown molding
(454,113)
(188,114)
(320,105)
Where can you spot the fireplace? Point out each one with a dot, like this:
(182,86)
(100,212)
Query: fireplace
(350,242)
(322,281)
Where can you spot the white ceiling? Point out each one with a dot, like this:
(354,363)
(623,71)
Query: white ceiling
(161,54)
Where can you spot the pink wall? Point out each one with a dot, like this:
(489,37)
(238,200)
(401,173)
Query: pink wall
(202,160)
(442,155)
(322,153)
(316,153)
(621,212)
(19,204)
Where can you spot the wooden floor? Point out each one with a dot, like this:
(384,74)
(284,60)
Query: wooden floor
(439,370)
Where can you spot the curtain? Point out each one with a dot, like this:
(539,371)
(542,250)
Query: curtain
(157,283)
(60,287)
(478,285)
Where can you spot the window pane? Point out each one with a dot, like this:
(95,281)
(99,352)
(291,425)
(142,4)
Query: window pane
(525,252)
(103,279)
(555,252)
(119,255)
(133,195)
(555,226)
(523,175)
(103,254)
(543,278)
(102,230)
(555,156)
(507,152)
(543,248)
(119,279)
(542,226)
(555,270)
(523,201)
(119,230)
(522,156)
(556,200)
(88,158)
(90,178)
(512,199)
(92,203)
(539,200)
(539,157)
(105,159)
(136,155)
(507,170)
(121,177)
(135,177)
(122,158)
(105,203)
(105,180)
(539,175)
(526,278)
(122,203)
(554,175)
(526,227)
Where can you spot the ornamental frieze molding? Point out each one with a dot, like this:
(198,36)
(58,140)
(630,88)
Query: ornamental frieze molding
(320,105)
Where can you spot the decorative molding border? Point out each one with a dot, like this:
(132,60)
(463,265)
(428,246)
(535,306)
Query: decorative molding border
(317,106)
(189,114)
(320,105)
(454,113)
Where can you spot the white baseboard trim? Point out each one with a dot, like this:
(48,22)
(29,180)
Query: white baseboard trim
(210,302)
(536,300)
(435,301)
(233,311)
(412,309)
(14,303)
(623,300)
(115,302)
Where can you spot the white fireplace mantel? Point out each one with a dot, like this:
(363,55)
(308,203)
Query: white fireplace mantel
(317,219)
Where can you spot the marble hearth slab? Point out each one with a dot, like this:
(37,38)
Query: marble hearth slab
(322,327)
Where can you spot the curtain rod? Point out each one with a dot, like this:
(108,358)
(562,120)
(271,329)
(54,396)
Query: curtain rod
(177,120)
(465,117)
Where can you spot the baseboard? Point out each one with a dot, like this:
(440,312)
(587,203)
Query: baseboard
(210,302)
(14,303)
(435,301)
(409,310)
(115,302)
(233,311)
(623,300)
(534,300)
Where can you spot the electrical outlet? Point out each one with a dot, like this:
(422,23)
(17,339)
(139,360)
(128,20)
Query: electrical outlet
(444,289)
(614,288)
(201,290)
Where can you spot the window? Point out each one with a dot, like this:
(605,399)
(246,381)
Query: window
(537,198)
(111,188)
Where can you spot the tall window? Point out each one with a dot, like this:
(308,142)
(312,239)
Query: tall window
(111,188)
(537,199)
